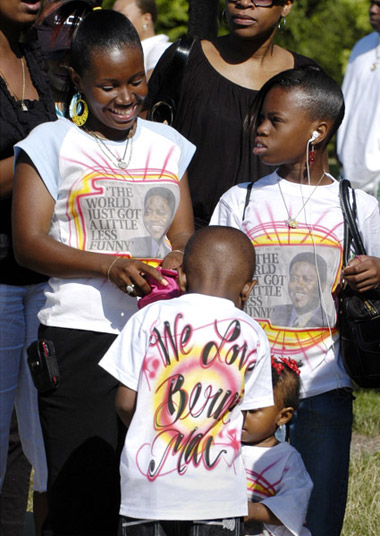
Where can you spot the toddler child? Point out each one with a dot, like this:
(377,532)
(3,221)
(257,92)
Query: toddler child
(278,484)
(187,368)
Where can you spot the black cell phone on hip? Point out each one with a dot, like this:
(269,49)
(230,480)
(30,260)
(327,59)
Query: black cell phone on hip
(43,365)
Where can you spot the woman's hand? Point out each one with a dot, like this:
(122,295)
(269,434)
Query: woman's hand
(128,276)
(363,273)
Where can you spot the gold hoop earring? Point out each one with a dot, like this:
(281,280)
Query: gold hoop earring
(78,110)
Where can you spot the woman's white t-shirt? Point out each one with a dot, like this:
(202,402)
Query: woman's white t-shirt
(100,208)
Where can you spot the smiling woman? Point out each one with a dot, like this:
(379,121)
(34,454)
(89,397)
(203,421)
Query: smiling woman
(89,186)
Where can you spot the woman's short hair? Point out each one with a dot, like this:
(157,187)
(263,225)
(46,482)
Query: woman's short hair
(100,30)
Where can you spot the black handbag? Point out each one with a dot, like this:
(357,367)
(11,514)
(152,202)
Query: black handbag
(359,312)
(164,105)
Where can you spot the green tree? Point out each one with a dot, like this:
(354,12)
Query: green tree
(326,31)
(172,17)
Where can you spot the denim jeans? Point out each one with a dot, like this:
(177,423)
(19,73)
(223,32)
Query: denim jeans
(18,328)
(321,432)
(217,527)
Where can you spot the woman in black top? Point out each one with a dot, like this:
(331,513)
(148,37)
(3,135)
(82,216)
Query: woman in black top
(25,101)
(219,85)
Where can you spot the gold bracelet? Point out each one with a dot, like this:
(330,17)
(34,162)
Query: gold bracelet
(110,268)
(177,251)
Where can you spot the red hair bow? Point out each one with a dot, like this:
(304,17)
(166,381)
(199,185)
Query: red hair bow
(277,364)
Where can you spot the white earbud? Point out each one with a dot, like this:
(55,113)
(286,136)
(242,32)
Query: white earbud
(314,136)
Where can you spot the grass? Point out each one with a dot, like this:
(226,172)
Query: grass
(367,412)
(363,505)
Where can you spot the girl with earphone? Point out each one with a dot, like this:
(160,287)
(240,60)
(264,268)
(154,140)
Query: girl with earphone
(293,217)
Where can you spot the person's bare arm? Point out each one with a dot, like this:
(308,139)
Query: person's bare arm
(32,214)
(181,228)
(260,512)
(6,177)
(126,404)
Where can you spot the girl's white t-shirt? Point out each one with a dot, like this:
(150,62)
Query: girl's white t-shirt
(100,208)
(277,478)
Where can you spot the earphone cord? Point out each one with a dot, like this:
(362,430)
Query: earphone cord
(322,298)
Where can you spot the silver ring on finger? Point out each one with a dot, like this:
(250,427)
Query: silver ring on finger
(130,288)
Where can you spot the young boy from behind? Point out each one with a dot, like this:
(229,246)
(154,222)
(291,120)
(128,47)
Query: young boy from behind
(187,368)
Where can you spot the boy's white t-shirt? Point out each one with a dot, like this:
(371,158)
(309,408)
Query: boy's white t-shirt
(191,360)
(310,338)
(277,477)
(100,208)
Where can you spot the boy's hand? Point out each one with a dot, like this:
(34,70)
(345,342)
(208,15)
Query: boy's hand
(363,273)
(173,260)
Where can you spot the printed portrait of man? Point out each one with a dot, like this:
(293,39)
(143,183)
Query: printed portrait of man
(306,285)
(159,207)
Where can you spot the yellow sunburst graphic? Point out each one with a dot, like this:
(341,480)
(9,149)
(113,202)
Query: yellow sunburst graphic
(185,400)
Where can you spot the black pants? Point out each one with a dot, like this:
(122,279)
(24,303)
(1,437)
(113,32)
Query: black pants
(83,437)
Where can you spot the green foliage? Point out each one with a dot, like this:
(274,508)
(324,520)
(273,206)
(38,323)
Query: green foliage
(326,31)
(107,4)
(172,18)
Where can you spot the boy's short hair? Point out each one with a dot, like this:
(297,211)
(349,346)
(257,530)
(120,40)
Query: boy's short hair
(224,250)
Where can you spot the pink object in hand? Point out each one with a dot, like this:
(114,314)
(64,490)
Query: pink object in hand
(159,291)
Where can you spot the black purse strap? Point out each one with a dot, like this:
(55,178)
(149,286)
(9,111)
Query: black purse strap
(171,88)
(185,44)
(180,58)
(247,198)
(351,231)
